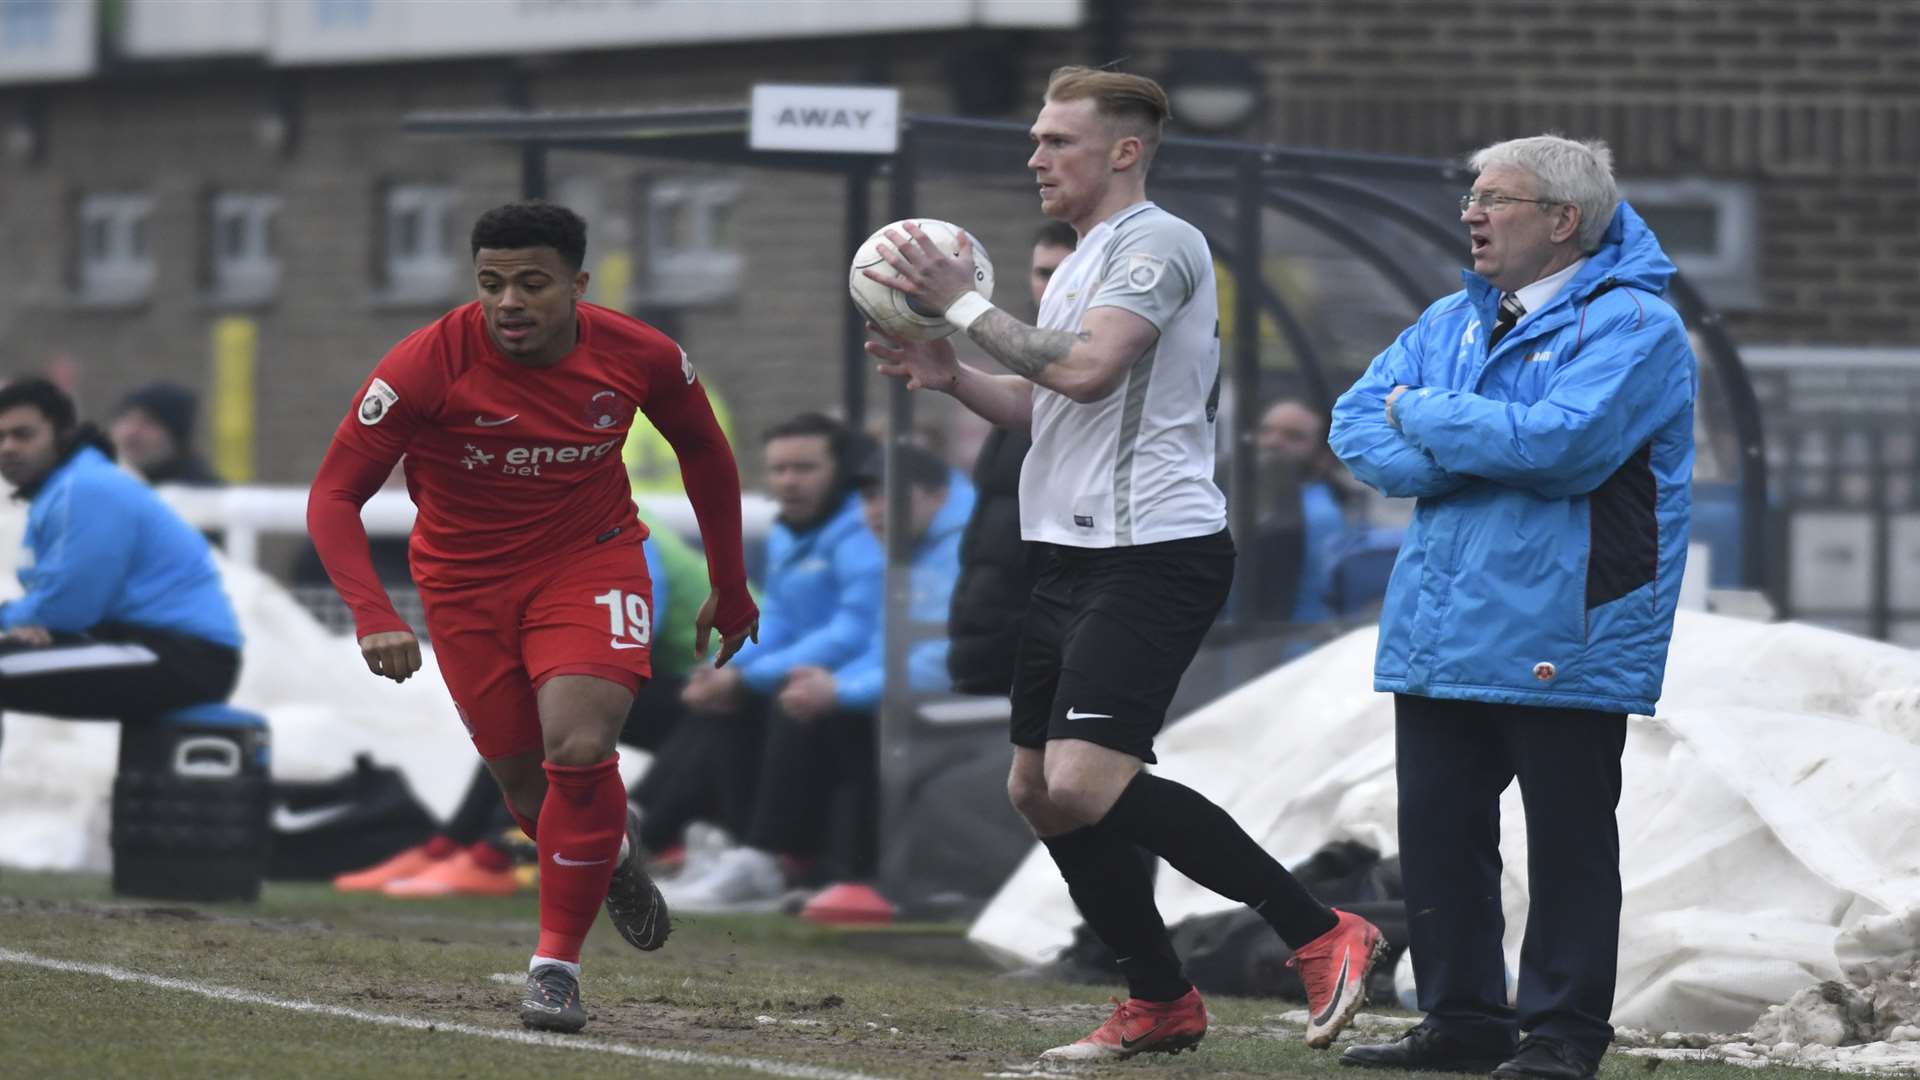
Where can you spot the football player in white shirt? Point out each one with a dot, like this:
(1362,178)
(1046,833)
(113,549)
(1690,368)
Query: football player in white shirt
(1119,385)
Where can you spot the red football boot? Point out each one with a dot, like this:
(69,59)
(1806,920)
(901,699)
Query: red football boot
(1140,1027)
(1334,968)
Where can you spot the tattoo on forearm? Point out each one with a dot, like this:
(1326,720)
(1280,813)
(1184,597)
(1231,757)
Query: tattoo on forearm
(1025,350)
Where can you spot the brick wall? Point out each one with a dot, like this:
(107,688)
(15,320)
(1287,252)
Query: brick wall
(769,351)
(1817,103)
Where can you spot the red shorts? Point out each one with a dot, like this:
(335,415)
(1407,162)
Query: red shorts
(499,642)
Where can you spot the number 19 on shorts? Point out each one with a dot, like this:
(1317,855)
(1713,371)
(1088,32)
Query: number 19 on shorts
(627,616)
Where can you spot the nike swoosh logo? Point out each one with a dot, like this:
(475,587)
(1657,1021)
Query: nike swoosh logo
(1339,989)
(484,422)
(1073,714)
(564,861)
(1128,1044)
(625,644)
(286,820)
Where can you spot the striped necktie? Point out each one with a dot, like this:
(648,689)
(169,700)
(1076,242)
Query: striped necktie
(1510,312)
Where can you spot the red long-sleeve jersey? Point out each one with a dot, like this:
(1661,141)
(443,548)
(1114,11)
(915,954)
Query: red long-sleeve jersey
(511,467)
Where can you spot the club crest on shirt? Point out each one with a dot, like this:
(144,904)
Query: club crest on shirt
(605,408)
(1143,271)
(373,408)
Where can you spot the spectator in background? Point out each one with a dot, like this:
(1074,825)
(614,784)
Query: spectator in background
(821,750)
(124,615)
(996,566)
(152,431)
(1052,243)
(1292,443)
(825,579)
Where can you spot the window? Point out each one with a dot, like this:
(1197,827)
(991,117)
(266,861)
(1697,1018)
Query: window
(419,260)
(245,262)
(332,14)
(26,24)
(1710,228)
(116,257)
(689,241)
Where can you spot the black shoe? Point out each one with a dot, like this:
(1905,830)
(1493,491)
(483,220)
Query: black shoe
(1541,1058)
(552,1000)
(1424,1049)
(634,903)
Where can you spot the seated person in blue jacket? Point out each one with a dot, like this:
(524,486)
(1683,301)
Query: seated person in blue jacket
(824,581)
(124,615)
(821,751)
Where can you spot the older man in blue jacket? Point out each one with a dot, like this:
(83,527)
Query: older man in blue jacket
(1543,418)
(123,615)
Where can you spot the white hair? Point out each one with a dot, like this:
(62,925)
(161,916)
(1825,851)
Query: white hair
(1569,171)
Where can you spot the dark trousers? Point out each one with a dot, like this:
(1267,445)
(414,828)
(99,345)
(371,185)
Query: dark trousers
(115,672)
(705,768)
(819,792)
(1454,760)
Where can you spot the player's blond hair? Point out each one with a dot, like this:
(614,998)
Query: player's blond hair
(1134,104)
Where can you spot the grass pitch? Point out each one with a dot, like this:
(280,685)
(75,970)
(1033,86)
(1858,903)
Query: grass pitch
(764,995)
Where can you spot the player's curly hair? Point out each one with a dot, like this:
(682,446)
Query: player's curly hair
(533,224)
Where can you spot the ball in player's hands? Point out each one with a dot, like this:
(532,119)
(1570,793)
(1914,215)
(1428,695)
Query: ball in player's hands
(893,311)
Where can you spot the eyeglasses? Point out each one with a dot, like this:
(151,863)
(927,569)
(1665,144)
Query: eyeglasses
(1490,202)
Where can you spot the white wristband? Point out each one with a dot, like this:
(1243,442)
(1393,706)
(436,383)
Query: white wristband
(971,305)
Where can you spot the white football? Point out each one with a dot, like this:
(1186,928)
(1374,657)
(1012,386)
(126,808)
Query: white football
(892,310)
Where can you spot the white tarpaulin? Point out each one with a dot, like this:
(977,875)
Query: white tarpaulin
(1769,827)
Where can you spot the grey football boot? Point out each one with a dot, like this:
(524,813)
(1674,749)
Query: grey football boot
(634,902)
(552,1000)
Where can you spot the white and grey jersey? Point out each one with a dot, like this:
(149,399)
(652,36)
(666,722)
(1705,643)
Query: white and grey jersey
(1135,467)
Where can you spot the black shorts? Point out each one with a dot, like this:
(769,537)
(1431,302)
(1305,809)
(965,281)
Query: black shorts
(1109,632)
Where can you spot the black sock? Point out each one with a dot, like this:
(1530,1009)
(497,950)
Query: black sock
(1111,887)
(1202,841)
(481,815)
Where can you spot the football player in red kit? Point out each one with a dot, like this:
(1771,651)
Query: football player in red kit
(510,413)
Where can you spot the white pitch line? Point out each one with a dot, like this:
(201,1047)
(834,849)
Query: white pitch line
(527,1038)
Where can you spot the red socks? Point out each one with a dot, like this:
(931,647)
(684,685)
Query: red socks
(582,822)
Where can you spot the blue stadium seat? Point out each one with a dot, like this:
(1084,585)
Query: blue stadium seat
(214,714)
